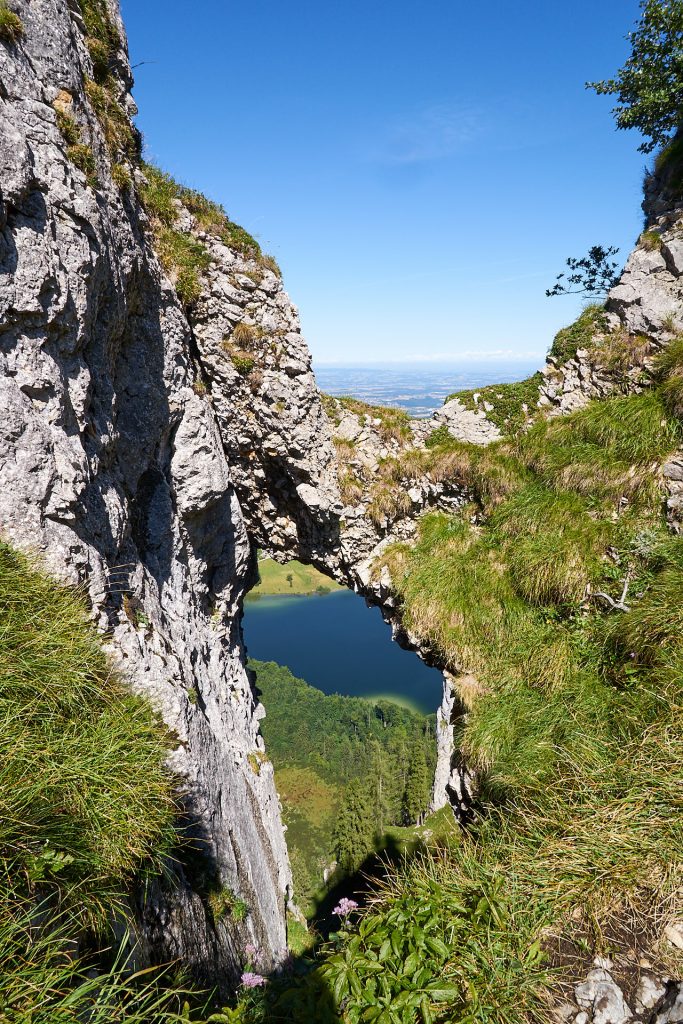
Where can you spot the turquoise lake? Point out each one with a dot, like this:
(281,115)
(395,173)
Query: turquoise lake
(337,643)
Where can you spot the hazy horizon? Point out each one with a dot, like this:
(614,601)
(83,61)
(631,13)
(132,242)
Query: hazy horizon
(421,175)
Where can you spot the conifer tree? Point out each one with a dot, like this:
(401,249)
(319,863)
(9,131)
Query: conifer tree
(354,832)
(416,795)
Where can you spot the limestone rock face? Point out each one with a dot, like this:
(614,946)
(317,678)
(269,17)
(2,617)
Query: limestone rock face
(113,472)
(465,424)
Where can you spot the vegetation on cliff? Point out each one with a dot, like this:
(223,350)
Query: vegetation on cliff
(184,257)
(85,804)
(648,86)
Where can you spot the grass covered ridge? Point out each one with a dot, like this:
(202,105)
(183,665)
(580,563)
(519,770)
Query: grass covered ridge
(511,405)
(85,803)
(184,257)
(574,723)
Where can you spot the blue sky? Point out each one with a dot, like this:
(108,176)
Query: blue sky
(420,171)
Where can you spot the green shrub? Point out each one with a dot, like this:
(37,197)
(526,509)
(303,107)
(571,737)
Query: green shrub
(11,27)
(244,364)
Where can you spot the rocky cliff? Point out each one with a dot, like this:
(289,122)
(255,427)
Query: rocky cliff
(113,469)
(155,429)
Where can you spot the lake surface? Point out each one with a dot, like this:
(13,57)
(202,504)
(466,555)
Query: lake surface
(337,643)
(418,388)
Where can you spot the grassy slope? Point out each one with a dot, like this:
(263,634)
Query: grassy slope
(305,579)
(574,723)
(85,802)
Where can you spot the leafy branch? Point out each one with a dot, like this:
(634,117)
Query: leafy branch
(593,274)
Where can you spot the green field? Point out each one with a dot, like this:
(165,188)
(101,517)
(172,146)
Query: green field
(292,578)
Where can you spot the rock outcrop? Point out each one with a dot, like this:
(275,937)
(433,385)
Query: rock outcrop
(113,472)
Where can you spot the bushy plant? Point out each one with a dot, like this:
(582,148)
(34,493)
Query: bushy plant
(649,85)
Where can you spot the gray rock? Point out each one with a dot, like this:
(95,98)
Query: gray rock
(112,470)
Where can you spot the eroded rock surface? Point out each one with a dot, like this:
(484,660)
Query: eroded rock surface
(113,472)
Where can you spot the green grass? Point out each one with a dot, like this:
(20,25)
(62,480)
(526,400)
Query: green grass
(83,157)
(651,241)
(606,450)
(86,805)
(513,404)
(578,335)
(159,196)
(119,137)
(573,714)
(185,260)
(275,579)
(11,26)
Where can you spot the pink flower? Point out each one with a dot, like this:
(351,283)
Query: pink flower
(251,980)
(344,907)
(251,950)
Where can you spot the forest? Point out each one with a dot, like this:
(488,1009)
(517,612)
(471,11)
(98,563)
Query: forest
(351,773)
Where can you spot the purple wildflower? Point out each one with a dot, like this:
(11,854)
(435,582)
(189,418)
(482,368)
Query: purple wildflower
(251,950)
(251,980)
(344,907)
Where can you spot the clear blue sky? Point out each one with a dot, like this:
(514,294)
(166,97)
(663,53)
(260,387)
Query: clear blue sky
(419,170)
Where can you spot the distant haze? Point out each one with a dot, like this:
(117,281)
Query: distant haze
(419,388)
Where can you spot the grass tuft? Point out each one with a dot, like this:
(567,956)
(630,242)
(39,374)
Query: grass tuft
(119,136)
(82,156)
(11,25)
(651,241)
